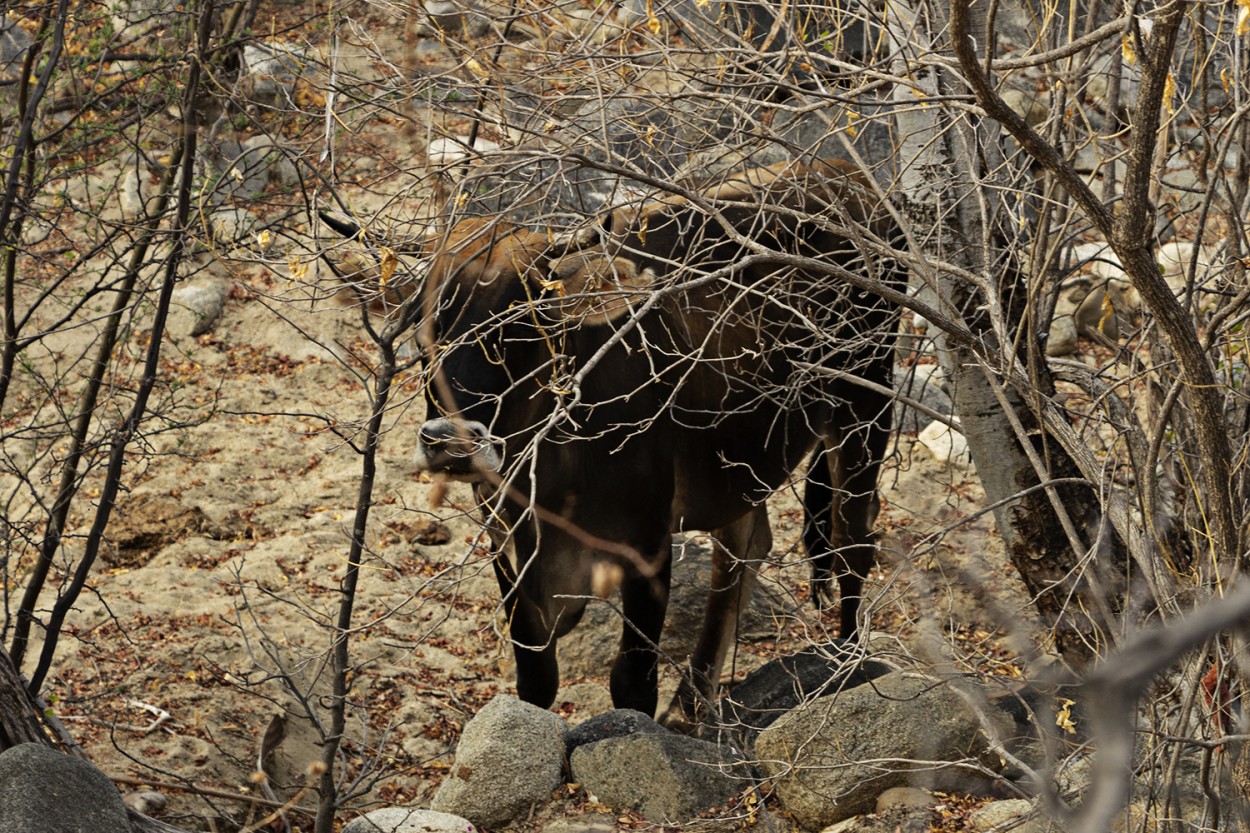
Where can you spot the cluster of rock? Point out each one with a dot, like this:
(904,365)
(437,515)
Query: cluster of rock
(826,734)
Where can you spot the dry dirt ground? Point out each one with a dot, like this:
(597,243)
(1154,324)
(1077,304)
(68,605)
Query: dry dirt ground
(209,624)
(212,616)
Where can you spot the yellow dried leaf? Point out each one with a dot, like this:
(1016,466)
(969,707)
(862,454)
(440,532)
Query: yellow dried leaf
(1169,92)
(1063,718)
(386,267)
(297,268)
(264,238)
(653,22)
(1126,49)
(1243,17)
(556,286)
(1225,82)
(851,118)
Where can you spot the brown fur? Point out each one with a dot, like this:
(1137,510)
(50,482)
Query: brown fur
(687,419)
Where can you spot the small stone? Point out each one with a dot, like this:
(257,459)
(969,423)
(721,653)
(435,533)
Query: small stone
(583,824)
(231,226)
(195,308)
(430,48)
(147,802)
(450,150)
(131,195)
(1026,103)
(1015,814)
(924,384)
(904,797)
(408,820)
(278,162)
(844,826)
(945,444)
(1062,339)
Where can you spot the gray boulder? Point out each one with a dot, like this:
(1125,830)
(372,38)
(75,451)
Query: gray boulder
(45,791)
(271,73)
(231,171)
(14,41)
(510,757)
(195,308)
(833,756)
(921,383)
(778,686)
(408,820)
(665,777)
(612,724)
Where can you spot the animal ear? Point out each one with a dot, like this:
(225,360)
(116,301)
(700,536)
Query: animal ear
(594,288)
(581,238)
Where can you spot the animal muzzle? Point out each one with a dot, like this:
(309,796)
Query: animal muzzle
(457,449)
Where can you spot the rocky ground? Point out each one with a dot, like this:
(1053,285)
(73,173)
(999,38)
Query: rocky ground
(200,652)
(210,620)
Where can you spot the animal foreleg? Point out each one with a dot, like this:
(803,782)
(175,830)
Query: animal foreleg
(644,599)
(739,549)
(537,672)
(533,643)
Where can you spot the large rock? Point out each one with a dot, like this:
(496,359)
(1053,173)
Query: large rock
(510,757)
(45,791)
(611,724)
(665,777)
(921,383)
(271,72)
(196,307)
(408,820)
(832,757)
(14,41)
(777,687)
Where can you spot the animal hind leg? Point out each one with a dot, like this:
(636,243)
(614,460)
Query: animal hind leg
(739,549)
(841,503)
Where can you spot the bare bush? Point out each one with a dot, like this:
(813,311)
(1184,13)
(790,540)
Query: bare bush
(1070,184)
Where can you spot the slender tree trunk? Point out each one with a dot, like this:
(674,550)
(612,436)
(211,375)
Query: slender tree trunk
(1055,535)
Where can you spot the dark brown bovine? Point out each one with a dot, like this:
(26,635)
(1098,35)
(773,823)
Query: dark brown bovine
(664,371)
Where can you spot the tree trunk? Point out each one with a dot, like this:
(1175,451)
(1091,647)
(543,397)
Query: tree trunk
(1049,528)
(19,721)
